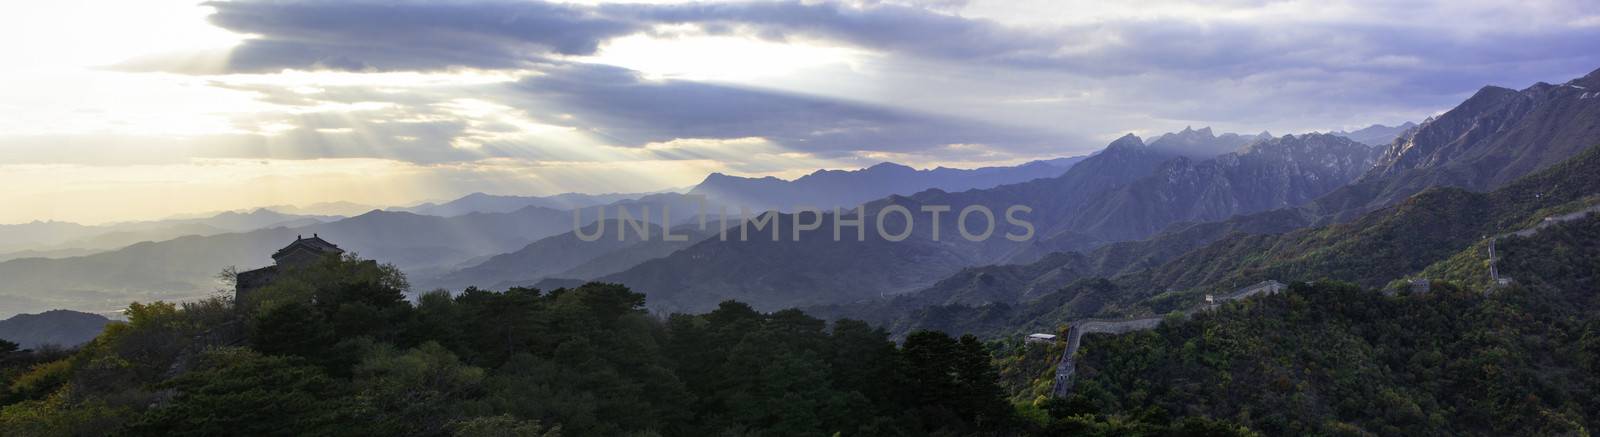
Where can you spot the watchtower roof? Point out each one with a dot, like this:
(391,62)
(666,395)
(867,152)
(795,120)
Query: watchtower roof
(315,244)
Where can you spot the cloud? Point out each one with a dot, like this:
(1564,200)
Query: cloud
(570,112)
(499,34)
(619,105)
(943,72)
(410,35)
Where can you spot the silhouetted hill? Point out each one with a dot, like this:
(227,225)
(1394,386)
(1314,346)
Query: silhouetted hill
(54,327)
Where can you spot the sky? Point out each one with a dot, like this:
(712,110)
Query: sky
(116,110)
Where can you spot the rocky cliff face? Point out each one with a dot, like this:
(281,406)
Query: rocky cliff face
(1275,173)
(1497,135)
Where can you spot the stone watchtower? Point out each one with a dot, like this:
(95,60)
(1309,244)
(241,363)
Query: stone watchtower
(300,253)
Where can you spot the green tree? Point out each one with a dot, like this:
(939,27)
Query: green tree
(415,392)
(236,391)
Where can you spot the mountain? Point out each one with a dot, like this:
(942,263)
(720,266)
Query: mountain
(625,258)
(1065,162)
(1493,137)
(1202,144)
(1390,243)
(1377,134)
(1267,174)
(54,327)
(186,267)
(847,188)
(480,202)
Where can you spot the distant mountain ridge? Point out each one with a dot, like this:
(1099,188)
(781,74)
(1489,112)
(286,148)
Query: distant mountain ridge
(480,202)
(563,257)
(1377,134)
(1201,144)
(567,255)
(52,238)
(845,188)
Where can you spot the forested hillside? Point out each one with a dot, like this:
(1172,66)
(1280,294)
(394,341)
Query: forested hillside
(1333,358)
(1336,359)
(334,349)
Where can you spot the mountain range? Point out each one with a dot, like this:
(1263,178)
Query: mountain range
(1267,174)
(1440,238)
(53,239)
(183,261)
(563,257)
(827,189)
(1126,191)
(480,202)
(1350,233)
(1201,144)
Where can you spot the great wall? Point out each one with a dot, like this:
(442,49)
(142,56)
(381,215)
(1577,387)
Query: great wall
(1067,366)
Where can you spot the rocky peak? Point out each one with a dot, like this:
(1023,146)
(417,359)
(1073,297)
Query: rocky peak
(1129,140)
(1200,144)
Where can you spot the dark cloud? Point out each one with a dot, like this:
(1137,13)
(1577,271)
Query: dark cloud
(618,104)
(410,35)
(1399,61)
(891,28)
(356,35)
